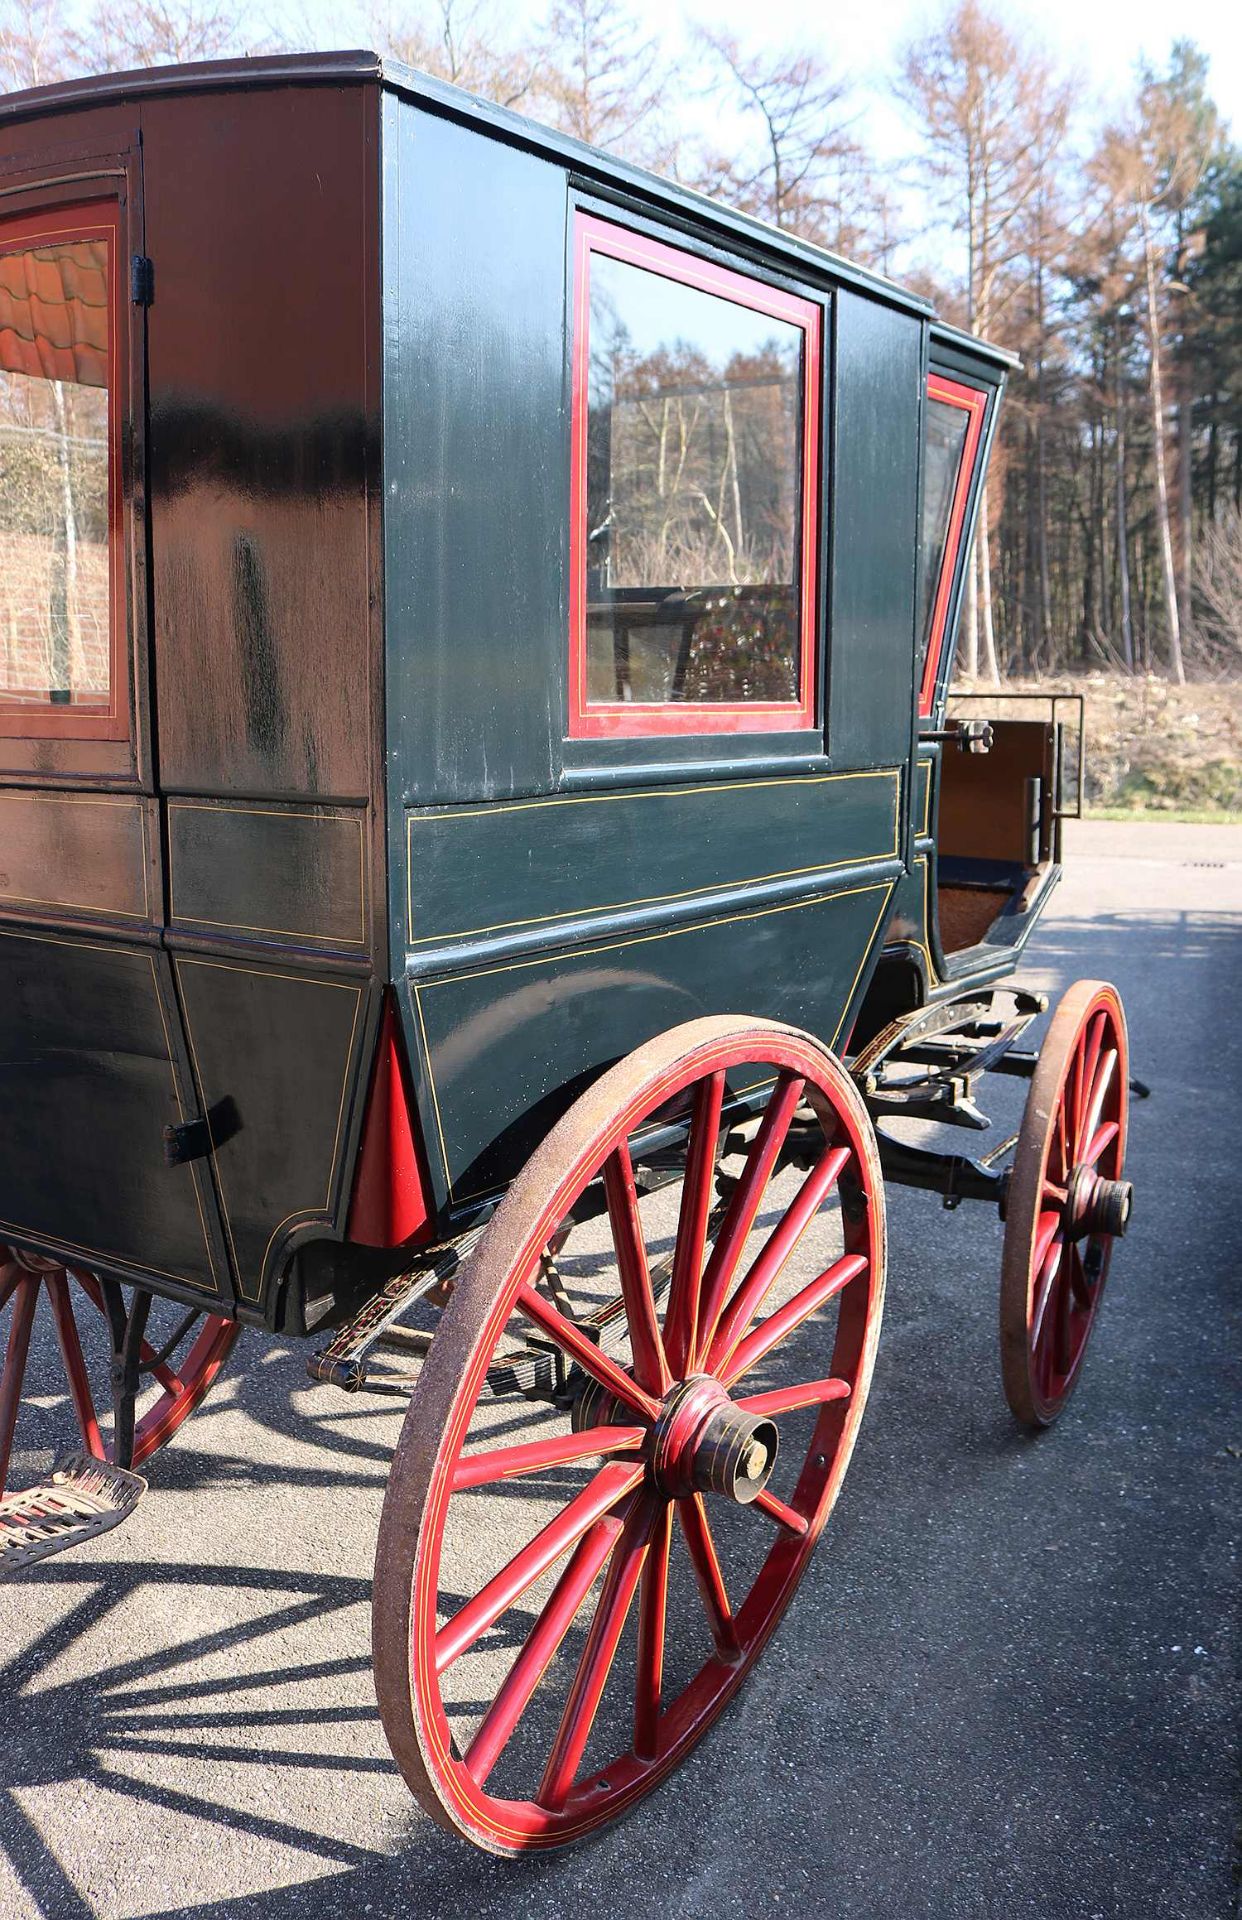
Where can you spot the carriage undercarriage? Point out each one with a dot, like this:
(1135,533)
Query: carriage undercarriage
(642,1373)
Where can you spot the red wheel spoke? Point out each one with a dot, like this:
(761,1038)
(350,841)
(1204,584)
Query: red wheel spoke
(779,1325)
(702,1548)
(783,1515)
(604,1491)
(812,1393)
(682,1314)
(539,1650)
(1047,1279)
(1088,1056)
(1061,1140)
(75,1365)
(1099,1092)
(10,1276)
(1103,1137)
(1079,1283)
(91,1288)
(15,1353)
(589,1681)
(1045,1233)
(747,1198)
(652,1620)
(170,1381)
(770,1262)
(650,1365)
(506,1463)
(585,1352)
(1061,1319)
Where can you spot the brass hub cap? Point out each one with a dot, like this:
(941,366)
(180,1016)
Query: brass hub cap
(1096,1205)
(703,1443)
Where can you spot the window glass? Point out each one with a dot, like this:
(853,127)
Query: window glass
(946,428)
(696,592)
(55,474)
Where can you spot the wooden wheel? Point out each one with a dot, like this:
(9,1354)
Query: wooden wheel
(64,1395)
(1067,1201)
(688,1468)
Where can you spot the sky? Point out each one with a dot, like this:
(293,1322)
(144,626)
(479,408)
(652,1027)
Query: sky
(1100,41)
(1104,39)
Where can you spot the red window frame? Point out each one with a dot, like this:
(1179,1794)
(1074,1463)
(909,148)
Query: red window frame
(97,220)
(973,401)
(628,718)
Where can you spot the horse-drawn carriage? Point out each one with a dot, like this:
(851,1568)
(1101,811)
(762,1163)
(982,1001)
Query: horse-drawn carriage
(487,885)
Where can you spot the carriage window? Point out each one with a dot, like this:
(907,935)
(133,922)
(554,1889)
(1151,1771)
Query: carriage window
(59,484)
(696,400)
(952,427)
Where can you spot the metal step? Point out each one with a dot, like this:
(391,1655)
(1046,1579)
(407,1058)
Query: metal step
(84,1497)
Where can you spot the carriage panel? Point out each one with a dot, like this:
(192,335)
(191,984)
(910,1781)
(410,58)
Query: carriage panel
(505,871)
(262,341)
(290,874)
(508,1045)
(476,457)
(91,1076)
(279,1057)
(80,854)
(877,383)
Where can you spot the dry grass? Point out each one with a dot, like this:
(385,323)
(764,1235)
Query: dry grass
(1153,747)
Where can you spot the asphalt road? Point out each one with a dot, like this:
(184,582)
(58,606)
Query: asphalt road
(1008,1686)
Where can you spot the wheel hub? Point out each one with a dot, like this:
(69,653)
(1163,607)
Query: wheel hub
(704,1443)
(1096,1205)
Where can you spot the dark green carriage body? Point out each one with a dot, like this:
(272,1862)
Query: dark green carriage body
(348,771)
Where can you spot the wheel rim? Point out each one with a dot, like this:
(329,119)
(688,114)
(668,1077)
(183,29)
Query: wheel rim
(681,1441)
(34,1292)
(1067,1202)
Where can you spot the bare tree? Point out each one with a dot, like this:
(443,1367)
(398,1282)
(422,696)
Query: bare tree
(1151,166)
(154,33)
(991,113)
(34,43)
(802,169)
(601,79)
(1218,593)
(463,42)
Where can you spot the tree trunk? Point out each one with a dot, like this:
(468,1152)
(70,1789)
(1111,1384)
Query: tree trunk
(1162,485)
(1123,530)
(1185,509)
(69,668)
(970,628)
(984,550)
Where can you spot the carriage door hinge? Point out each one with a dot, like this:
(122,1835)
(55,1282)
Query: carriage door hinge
(141,280)
(195,1139)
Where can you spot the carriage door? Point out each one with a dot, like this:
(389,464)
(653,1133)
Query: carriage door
(99,1131)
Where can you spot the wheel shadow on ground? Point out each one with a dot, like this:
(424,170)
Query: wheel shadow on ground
(93,1727)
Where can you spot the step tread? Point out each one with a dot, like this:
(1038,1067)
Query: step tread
(83,1498)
